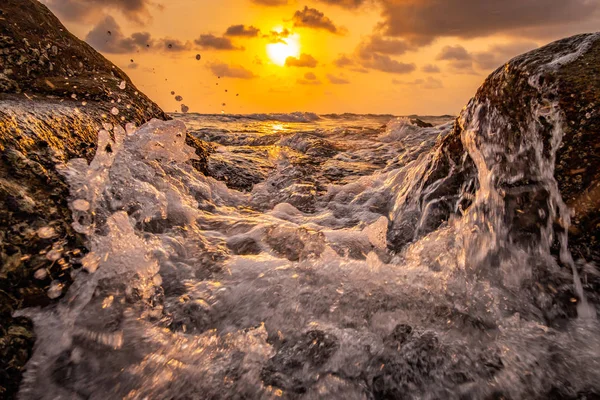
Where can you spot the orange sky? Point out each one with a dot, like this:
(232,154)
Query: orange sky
(401,56)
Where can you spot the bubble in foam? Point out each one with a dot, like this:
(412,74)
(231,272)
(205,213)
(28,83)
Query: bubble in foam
(81,205)
(55,290)
(41,274)
(46,232)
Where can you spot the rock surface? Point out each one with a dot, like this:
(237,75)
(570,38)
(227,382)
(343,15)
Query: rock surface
(538,112)
(55,93)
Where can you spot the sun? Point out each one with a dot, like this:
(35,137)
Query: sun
(280,51)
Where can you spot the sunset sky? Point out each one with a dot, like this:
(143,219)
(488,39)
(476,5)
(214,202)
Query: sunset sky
(363,56)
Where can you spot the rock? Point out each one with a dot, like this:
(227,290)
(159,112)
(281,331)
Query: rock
(294,367)
(536,113)
(420,123)
(55,93)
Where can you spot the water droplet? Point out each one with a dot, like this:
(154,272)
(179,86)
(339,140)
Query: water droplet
(114,111)
(55,289)
(53,255)
(122,85)
(46,232)
(81,205)
(40,274)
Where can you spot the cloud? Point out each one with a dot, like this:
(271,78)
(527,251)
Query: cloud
(313,18)
(133,66)
(107,37)
(210,41)
(429,83)
(374,53)
(498,54)
(305,60)
(308,82)
(242,30)
(378,44)
(384,63)
(310,76)
(425,20)
(168,44)
(271,3)
(76,10)
(457,53)
(431,69)
(350,4)
(278,37)
(231,71)
(337,80)
(343,61)
(462,61)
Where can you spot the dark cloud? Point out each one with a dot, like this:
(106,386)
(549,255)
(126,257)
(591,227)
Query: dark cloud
(425,20)
(337,80)
(461,60)
(116,42)
(209,41)
(456,53)
(345,3)
(305,60)
(429,83)
(498,54)
(310,76)
(242,30)
(278,37)
(431,69)
(384,63)
(174,45)
(76,10)
(343,61)
(313,18)
(374,53)
(133,66)
(379,44)
(231,71)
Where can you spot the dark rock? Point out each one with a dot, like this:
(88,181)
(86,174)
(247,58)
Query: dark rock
(420,123)
(245,245)
(295,244)
(55,94)
(520,97)
(513,108)
(295,366)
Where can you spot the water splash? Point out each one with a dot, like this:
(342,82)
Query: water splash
(191,289)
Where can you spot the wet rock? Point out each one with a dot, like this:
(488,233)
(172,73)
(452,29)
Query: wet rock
(295,243)
(294,367)
(242,246)
(240,167)
(524,93)
(449,179)
(56,92)
(420,123)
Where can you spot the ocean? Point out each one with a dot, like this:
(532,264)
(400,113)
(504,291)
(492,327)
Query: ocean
(313,260)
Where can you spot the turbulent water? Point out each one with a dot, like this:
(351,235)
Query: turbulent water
(275,276)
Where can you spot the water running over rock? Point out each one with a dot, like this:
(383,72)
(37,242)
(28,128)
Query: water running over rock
(436,265)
